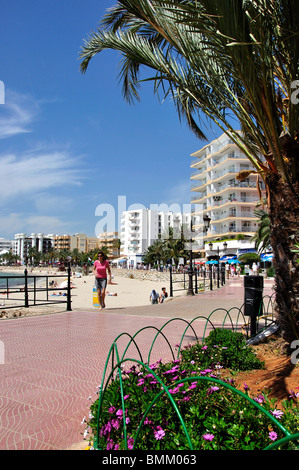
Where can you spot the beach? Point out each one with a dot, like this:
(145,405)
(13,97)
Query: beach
(130,290)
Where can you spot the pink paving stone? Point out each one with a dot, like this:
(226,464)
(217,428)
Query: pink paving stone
(53,363)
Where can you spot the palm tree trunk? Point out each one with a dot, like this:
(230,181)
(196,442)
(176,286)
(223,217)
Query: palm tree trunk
(284,217)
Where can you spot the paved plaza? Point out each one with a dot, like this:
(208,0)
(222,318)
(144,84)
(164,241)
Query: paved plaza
(53,363)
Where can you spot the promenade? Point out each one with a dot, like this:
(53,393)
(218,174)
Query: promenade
(53,363)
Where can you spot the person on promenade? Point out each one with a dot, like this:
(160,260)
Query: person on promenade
(154,297)
(100,268)
(163,295)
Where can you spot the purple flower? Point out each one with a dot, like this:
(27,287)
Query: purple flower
(193,385)
(159,433)
(119,414)
(148,421)
(204,348)
(208,437)
(212,389)
(260,399)
(110,445)
(246,387)
(126,397)
(293,394)
(140,382)
(277,414)
(130,443)
(115,423)
(272,435)
(111,409)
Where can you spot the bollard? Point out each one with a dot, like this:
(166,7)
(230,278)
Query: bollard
(68,305)
(253,291)
(26,288)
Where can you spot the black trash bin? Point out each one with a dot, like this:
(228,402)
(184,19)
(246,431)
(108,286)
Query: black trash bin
(253,290)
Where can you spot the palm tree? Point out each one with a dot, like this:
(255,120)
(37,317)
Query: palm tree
(262,235)
(175,241)
(237,62)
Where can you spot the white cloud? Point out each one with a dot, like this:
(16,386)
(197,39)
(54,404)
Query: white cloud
(17,114)
(33,172)
(16,222)
(179,194)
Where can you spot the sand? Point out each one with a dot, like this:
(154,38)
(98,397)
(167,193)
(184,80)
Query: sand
(130,293)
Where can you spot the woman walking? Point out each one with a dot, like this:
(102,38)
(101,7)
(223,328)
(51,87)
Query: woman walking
(100,268)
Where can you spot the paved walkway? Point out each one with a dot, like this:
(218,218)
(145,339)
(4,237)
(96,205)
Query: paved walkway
(53,363)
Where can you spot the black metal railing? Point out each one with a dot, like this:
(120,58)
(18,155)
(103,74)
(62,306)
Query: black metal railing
(202,279)
(29,289)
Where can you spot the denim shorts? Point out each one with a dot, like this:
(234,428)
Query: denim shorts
(101,282)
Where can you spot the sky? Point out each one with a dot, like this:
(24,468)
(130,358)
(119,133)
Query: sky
(71,147)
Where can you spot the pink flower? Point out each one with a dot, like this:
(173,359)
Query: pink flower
(272,436)
(159,433)
(193,385)
(130,443)
(208,437)
(277,414)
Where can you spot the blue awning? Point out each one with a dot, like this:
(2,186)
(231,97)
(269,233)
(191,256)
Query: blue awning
(228,257)
(266,257)
(212,261)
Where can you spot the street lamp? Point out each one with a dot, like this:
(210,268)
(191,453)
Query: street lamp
(190,286)
(218,254)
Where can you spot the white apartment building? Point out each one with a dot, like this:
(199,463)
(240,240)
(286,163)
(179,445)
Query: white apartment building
(6,245)
(42,242)
(141,227)
(228,202)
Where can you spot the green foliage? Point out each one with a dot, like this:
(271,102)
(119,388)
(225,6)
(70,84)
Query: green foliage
(249,258)
(232,350)
(214,416)
(270,272)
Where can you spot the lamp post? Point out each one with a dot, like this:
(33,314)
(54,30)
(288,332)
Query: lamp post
(190,273)
(218,255)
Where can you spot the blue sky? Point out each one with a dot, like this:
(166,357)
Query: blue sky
(69,142)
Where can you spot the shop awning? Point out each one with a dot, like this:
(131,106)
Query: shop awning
(228,258)
(266,257)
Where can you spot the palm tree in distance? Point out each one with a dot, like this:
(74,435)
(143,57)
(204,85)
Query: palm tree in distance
(235,61)
(261,237)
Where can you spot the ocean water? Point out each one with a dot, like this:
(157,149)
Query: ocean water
(13,282)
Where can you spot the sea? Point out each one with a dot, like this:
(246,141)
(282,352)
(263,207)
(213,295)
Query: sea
(14,281)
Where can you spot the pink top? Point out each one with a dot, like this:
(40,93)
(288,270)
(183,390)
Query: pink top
(101,269)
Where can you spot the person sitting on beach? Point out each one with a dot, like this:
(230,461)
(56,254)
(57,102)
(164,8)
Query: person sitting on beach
(163,295)
(154,297)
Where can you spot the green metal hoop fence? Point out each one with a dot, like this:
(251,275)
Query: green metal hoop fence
(115,362)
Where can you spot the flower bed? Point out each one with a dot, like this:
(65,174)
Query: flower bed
(190,403)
